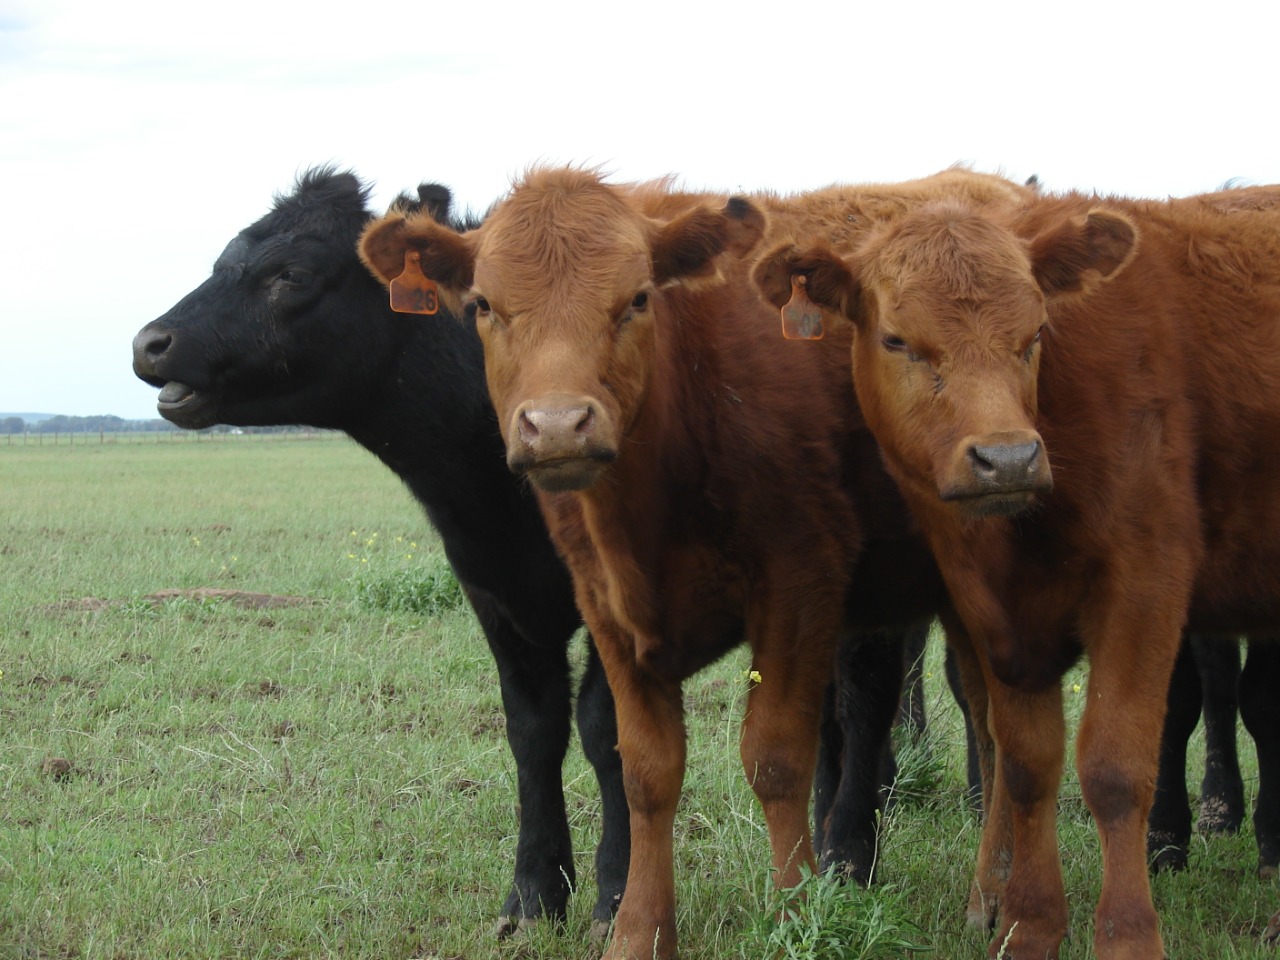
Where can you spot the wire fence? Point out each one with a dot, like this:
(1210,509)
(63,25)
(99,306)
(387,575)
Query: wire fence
(37,438)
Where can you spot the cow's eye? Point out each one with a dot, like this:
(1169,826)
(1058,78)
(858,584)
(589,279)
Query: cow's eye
(293,276)
(478,308)
(640,301)
(893,344)
(1031,347)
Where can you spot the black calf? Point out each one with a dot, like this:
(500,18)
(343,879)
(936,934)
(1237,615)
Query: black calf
(290,328)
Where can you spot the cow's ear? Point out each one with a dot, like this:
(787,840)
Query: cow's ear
(828,280)
(689,245)
(444,255)
(1082,252)
(436,199)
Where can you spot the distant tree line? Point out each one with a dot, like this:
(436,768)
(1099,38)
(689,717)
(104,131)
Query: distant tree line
(110,424)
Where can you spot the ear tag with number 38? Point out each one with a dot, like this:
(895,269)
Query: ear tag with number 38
(412,292)
(801,317)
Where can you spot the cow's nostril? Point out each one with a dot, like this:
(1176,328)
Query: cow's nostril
(981,460)
(587,422)
(528,429)
(1004,463)
(158,345)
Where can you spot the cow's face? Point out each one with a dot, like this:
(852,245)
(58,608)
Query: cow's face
(950,309)
(268,337)
(564,281)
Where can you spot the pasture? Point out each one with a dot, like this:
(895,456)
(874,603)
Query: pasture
(200,776)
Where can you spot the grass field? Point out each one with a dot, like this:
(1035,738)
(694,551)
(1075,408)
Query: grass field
(195,778)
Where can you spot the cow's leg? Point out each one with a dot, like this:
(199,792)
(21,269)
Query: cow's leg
(1222,789)
(995,852)
(869,677)
(911,716)
(598,728)
(536,696)
(1271,935)
(1169,826)
(1132,658)
(1260,711)
(794,653)
(651,741)
(830,766)
(973,768)
(1029,733)
(778,748)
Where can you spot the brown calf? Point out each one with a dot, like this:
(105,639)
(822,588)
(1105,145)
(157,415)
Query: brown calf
(1081,403)
(704,486)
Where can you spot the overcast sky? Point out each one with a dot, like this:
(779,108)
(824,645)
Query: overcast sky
(137,138)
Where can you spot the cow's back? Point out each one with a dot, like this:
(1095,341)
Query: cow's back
(1230,255)
(1168,377)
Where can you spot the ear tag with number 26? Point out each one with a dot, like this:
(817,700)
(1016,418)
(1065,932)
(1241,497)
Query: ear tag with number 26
(412,292)
(801,317)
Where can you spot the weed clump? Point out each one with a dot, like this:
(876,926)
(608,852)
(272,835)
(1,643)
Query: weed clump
(824,919)
(431,589)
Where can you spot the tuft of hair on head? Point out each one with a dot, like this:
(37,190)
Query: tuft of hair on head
(327,184)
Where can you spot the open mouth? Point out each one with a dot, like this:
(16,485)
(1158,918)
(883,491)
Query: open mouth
(184,405)
(174,395)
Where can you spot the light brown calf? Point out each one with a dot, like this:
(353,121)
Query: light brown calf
(1081,402)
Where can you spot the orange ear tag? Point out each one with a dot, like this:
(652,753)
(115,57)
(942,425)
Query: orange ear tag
(801,317)
(412,292)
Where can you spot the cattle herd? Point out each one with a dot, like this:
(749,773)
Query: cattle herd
(1049,422)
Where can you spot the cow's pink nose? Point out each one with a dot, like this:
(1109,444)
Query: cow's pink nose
(542,425)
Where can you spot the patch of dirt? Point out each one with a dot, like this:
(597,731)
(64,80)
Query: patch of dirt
(56,768)
(84,604)
(493,722)
(269,688)
(244,599)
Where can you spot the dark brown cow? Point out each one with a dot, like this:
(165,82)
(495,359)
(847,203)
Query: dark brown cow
(703,488)
(1081,403)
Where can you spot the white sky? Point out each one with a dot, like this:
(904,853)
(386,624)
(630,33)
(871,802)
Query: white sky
(136,137)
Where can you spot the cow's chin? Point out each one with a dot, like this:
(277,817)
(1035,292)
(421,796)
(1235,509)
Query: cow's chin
(1008,504)
(186,407)
(565,476)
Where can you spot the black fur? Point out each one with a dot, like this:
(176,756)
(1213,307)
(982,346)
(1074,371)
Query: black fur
(324,348)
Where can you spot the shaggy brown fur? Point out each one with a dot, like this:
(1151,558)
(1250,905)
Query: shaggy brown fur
(1137,344)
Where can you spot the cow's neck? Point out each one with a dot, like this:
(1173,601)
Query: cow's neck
(653,498)
(423,398)
(424,411)
(996,571)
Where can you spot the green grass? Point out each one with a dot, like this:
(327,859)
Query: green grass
(331,778)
